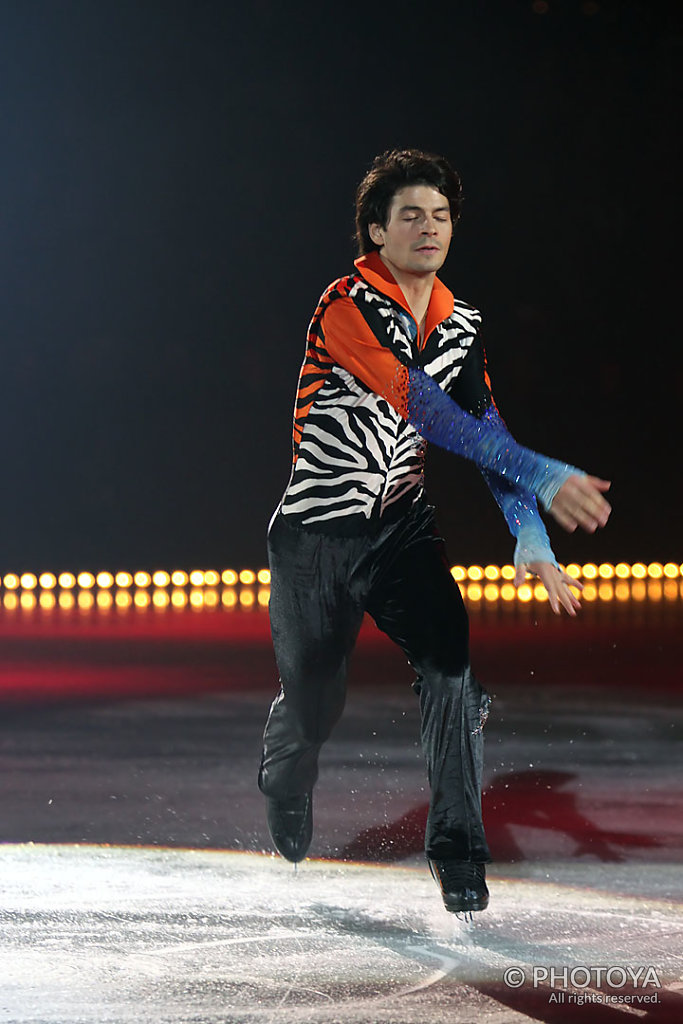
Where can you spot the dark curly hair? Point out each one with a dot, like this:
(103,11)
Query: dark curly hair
(396,169)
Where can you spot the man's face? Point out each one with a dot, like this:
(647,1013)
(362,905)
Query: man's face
(418,231)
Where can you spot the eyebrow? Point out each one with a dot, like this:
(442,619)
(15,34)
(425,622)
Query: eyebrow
(437,209)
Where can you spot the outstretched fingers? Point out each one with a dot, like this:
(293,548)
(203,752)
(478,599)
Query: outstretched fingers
(565,595)
(559,586)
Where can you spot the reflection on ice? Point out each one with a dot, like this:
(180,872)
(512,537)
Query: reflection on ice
(94,934)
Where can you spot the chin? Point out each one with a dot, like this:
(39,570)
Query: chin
(428,265)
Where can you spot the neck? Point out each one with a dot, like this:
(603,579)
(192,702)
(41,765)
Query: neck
(417,288)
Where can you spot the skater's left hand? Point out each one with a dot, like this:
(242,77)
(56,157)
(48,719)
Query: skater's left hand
(556,582)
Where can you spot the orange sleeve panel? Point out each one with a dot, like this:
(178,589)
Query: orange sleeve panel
(350,342)
(314,370)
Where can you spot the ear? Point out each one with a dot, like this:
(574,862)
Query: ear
(376,232)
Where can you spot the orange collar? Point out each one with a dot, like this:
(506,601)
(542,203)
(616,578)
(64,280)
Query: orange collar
(377,273)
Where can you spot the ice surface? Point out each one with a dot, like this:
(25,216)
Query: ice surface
(111,934)
(582,806)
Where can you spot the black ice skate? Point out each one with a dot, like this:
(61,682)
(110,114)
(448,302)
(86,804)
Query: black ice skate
(291,825)
(462,884)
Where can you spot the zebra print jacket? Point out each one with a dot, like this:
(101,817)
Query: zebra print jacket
(357,455)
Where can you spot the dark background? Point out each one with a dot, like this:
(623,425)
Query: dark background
(176,189)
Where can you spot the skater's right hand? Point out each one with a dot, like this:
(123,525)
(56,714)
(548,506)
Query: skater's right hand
(579,502)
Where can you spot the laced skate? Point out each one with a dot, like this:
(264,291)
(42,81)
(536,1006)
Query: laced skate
(462,884)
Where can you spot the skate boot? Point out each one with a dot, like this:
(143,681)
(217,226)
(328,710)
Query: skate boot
(462,884)
(291,825)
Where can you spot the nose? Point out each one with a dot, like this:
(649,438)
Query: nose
(429,226)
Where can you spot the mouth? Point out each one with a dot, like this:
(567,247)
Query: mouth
(428,249)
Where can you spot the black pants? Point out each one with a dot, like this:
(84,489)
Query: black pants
(320,588)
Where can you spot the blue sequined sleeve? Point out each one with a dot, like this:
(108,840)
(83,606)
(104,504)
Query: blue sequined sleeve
(514,474)
(521,514)
(519,508)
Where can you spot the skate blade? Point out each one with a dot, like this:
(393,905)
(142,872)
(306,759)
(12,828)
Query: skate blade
(464,915)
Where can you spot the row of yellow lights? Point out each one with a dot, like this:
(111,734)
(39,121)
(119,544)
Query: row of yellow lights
(125,580)
(123,599)
(589,571)
(622,590)
(247,577)
(202,597)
